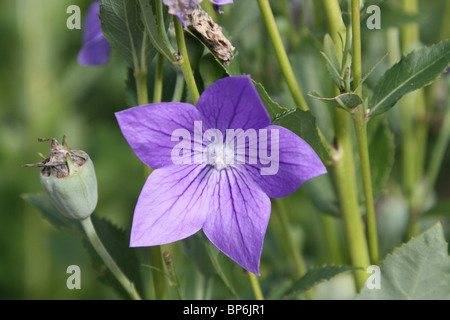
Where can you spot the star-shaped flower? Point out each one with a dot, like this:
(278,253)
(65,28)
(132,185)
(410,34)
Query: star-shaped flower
(183,8)
(95,49)
(221,186)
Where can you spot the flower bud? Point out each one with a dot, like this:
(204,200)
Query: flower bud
(68,177)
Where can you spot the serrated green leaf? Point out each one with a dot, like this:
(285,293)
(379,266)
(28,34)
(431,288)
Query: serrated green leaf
(152,14)
(123,28)
(345,101)
(418,270)
(315,276)
(273,108)
(210,70)
(416,70)
(302,123)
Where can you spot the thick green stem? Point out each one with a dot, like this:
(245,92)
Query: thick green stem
(255,286)
(184,61)
(108,260)
(344,174)
(371,224)
(281,54)
(343,169)
(159,75)
(179,88)
(361,134)
(140,77)
(285,65)
(334,251)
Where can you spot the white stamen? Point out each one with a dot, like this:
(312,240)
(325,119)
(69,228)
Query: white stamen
(219,155)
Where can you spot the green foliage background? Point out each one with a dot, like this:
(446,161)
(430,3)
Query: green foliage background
(44,92)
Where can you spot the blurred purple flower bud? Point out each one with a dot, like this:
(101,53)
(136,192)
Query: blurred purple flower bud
(95,49)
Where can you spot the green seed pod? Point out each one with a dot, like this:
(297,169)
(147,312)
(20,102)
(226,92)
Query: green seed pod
(68,177)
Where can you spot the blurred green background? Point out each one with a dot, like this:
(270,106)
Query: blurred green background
(44,92)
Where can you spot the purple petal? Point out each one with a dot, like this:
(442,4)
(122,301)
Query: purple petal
(218,3)
(182,8)
(95,50)
(149,128)
(172,205)
(232,103)
(238,217)
(221,2)
(289,163)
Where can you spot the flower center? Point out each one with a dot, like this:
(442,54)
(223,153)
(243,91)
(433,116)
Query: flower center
(219,155)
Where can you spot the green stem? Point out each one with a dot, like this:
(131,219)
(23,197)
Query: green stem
(371,224)
(356,36)
(344,174)
(159,75)
(160,40)
(285,65)
(140,77)
(343,169)
(445,29)
(281,54)
(438,152)
(414,127)
(109,261)
(155,251)
(361,134)
(159,283)
(293,249)
(255,286)
(174,281)
(179,88)
(184,61)
(334,251)
(293,32)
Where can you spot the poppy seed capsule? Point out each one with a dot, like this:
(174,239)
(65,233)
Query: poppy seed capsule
(68,177)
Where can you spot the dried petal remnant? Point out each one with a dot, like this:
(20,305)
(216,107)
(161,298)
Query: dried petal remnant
(211,33)
(57,160)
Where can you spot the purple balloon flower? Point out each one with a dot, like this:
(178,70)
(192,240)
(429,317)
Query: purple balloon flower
(220,188)
(95,50)
(183,8)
